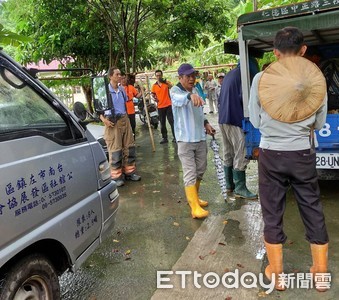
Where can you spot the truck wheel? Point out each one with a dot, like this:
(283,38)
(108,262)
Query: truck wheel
(33,278)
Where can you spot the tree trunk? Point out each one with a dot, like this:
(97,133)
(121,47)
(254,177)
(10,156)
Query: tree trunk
(110,48)
(88,95)
(126,53)
(135,36)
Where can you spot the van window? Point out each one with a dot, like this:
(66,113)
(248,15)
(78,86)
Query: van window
(23,111)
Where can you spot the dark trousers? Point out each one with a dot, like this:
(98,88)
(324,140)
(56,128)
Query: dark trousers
(166,112)
(277,171)
(132,121)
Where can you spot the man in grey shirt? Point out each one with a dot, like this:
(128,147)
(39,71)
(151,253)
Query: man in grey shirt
(287,102)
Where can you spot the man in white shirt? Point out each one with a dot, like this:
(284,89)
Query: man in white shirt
(190,131)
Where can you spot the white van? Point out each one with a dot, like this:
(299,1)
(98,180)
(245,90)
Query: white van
(57,199)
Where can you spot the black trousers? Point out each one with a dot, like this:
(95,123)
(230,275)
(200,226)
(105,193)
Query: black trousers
(277,171)
(166,112)
(132,121)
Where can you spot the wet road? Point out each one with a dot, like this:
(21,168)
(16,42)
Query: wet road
(154,232)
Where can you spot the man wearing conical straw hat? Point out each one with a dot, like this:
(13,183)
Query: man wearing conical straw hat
(287,102)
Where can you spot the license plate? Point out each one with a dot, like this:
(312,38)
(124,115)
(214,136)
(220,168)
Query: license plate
(153,114)
(327,161)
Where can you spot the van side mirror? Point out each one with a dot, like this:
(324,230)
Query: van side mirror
(100,93)
(80,110)
(85,116)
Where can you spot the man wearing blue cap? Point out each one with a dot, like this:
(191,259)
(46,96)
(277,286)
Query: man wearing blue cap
(190,129)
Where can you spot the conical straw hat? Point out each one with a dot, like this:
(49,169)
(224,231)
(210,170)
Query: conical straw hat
(292,89)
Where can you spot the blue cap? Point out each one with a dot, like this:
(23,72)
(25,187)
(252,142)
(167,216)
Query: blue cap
(186,69)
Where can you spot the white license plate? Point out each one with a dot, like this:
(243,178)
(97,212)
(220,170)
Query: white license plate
(153,114)
(327,161)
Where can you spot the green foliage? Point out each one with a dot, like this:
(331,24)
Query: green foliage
(9,38)
(146,34)
(51,83)
(59,29)
(81,29)
(242,8)
(264,4)
(195,22)
(194,32)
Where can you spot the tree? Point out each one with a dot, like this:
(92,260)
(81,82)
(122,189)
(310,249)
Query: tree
(181,24)
(122,20)
(88,30)
(59,30)
(97,33)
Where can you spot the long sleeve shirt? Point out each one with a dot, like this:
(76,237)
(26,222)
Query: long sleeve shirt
(188,119)
(230,103)
(276,135)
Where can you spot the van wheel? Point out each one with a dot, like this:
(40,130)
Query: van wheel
(31,278)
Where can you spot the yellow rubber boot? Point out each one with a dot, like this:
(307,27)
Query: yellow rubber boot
(275,259)
(320,259)
(193,201)
(202,203)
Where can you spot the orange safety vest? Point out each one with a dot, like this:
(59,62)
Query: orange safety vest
(131,92)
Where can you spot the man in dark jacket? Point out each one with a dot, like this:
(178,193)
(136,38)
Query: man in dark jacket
(230,122)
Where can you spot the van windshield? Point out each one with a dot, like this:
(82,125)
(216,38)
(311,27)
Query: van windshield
(21,108)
